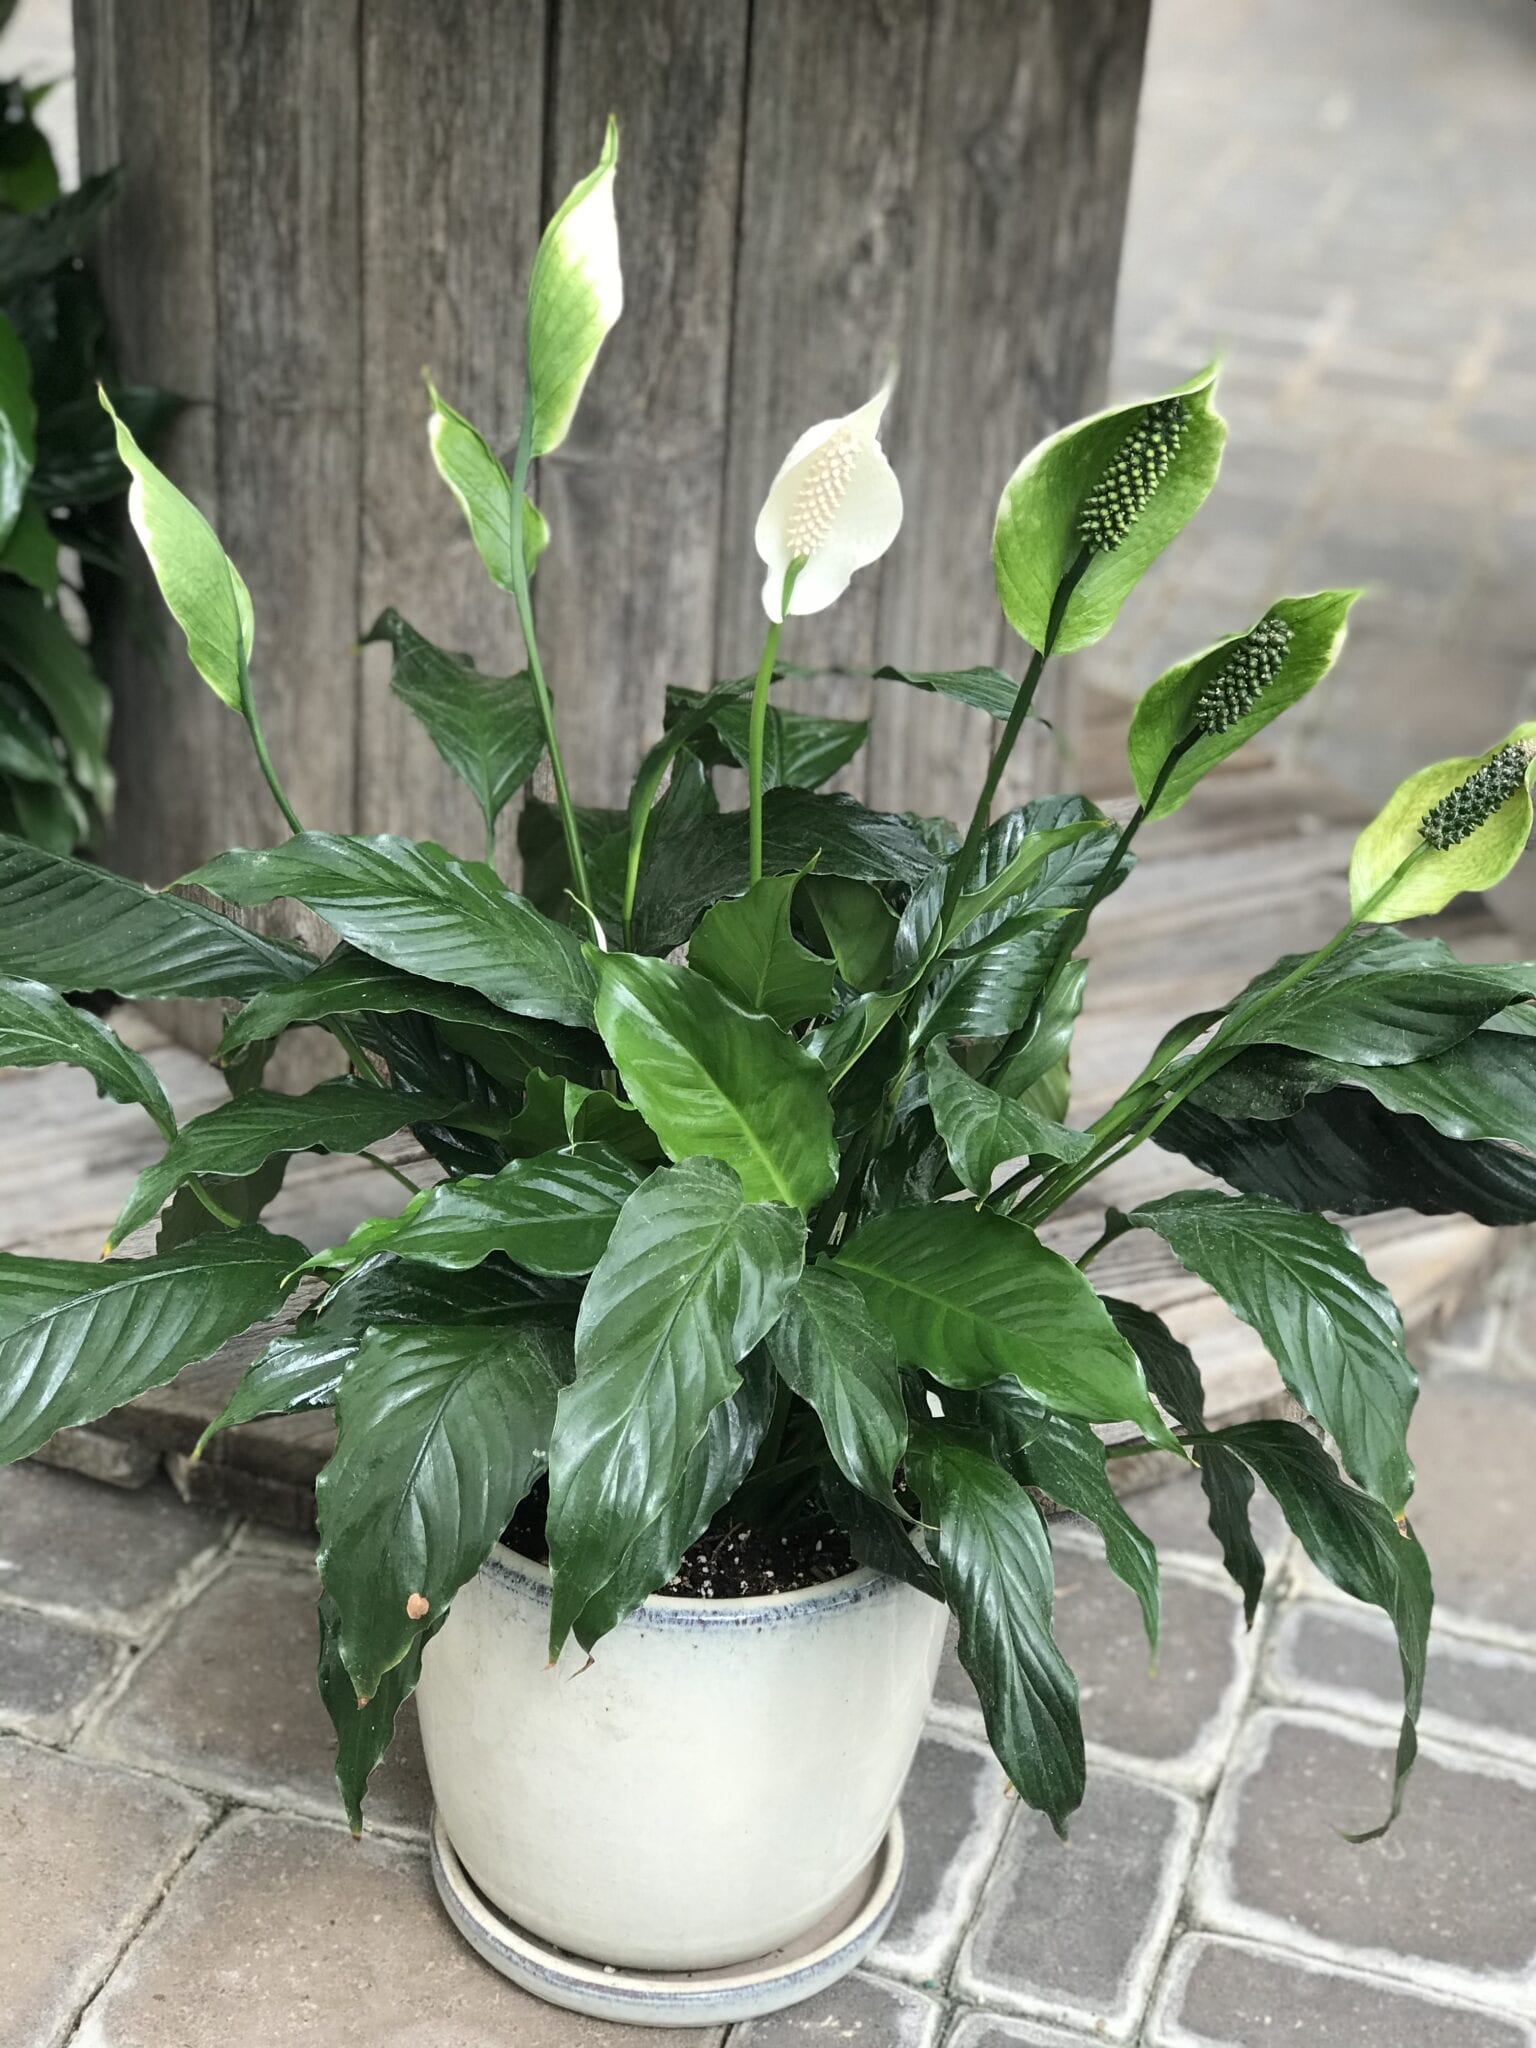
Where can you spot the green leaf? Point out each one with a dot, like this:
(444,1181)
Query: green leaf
(983,689)
(18,426)
(1013,878)
(240,1135)
(971,1296)
(473,472)
(557,1112)
(709,1079)
(1035,539)
(829,1349)
(858,925)
(487,728)
(75,926)
(1166,712)
(243,1197)
(983,1130)
(991,990)
(201,586)
(415,907)
(40,648)
(995,1563)
(37,1027)
(553,1214)
(440,1432)
(1066,1460)
(32,551)
(1483,858)
(799,751)
(746,948)
(694,1276)
(718,1464)
(52,818)
(1356,1544)
(575,294)
(881,1538)
(363,1734)
(1037,1074)
(76,1341)
(1332,1329)
(27,749)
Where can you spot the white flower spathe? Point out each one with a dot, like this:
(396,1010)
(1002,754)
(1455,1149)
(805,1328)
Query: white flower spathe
(835,505)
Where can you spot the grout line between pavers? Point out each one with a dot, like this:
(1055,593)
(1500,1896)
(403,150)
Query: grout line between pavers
(135,1628)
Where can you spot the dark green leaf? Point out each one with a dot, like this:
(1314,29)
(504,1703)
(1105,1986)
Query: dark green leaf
(830,1350)
(995,1563)
(859,926)
(745,947)
(711,1080)
(881,1538)
(32,553)
(417,908)
(799,751)
(1037,1074)
(694,1276)
(77,1341)
(984,689)
(1066,1460)
(32,244)
(990,991)
(38,1027)
(1332,1329)
(982,1130)
(363,1734)
(243,1196)
(18,426)
(557,1113)
(40,648)
(440,1431)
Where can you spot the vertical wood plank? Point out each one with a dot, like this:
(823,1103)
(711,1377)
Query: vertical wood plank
(823,274)
(626,595)
(453,127)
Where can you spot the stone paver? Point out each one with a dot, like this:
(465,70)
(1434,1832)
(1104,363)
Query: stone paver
(226,1700)
(989,2030)
(1235,1994)
(1174,1516)
(78,1548)
(954,1811)
(861,2011)
(49,1672)
(320,1938)
(1448,1898)
(85,1852)
(1074,1931)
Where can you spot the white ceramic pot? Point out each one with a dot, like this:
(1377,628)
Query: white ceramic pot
(700,1793)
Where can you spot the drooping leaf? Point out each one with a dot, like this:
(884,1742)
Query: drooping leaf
(995,1562)
(983,689)
(1317,626)
(800,751)
(983,1130)
(553,1214)
(37,1027)
(202,588)
(363,1734)
(18,427)
(1483,858)
(711,1080)
(42,651)
(240,1135)
(486,728)
(1354,1542)
(440,1431)
(971,1296)
(1036,537)
(1066,1460)
(830,1350)
(694,1276)
(575,294)
(79,1340)
(745,946)
(1331,1328)
(414,906)
(882,1538)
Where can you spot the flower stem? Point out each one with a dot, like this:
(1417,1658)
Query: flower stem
(252,719)
(580,887)
(757,732)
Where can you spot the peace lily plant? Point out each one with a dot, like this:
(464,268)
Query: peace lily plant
(748,1121)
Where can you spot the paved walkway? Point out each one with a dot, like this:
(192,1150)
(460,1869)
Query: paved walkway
(1345,195)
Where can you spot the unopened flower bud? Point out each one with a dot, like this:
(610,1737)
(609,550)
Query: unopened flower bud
(1248,671)
(1472,803)
(1120,496)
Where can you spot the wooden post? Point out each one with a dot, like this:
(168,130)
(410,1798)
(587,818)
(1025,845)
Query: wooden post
(319,200)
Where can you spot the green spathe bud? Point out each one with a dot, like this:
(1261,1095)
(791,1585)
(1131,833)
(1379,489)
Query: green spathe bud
(1472,803)
(1120,496)
(1253,666)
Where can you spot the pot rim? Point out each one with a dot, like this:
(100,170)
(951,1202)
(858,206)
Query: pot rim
(672,1610)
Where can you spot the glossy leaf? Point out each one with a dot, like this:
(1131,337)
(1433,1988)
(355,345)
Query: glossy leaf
(79,1340)
(1436,878)
(37,1027)
(552,1214)
(1332,1328)
(486,728)
(1013,878)
(440,1431)
(1165,713)
(238,1136)
(711,1080)
(415,907)
(18,426)
(694,1276)
(995,1562)
(1035,539)
(1066,1460)
(746,948)
(1037,1074)
(983,689)
(799,750)
(75,926)
(991,989)
(201,586)
(48,658)
(971,1296)
(575,295)
(1354,1542)
(830,1350)
(983,1130)
(859,927)
(881,1538)
(363,1734)
(557,1112)
(473,472)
